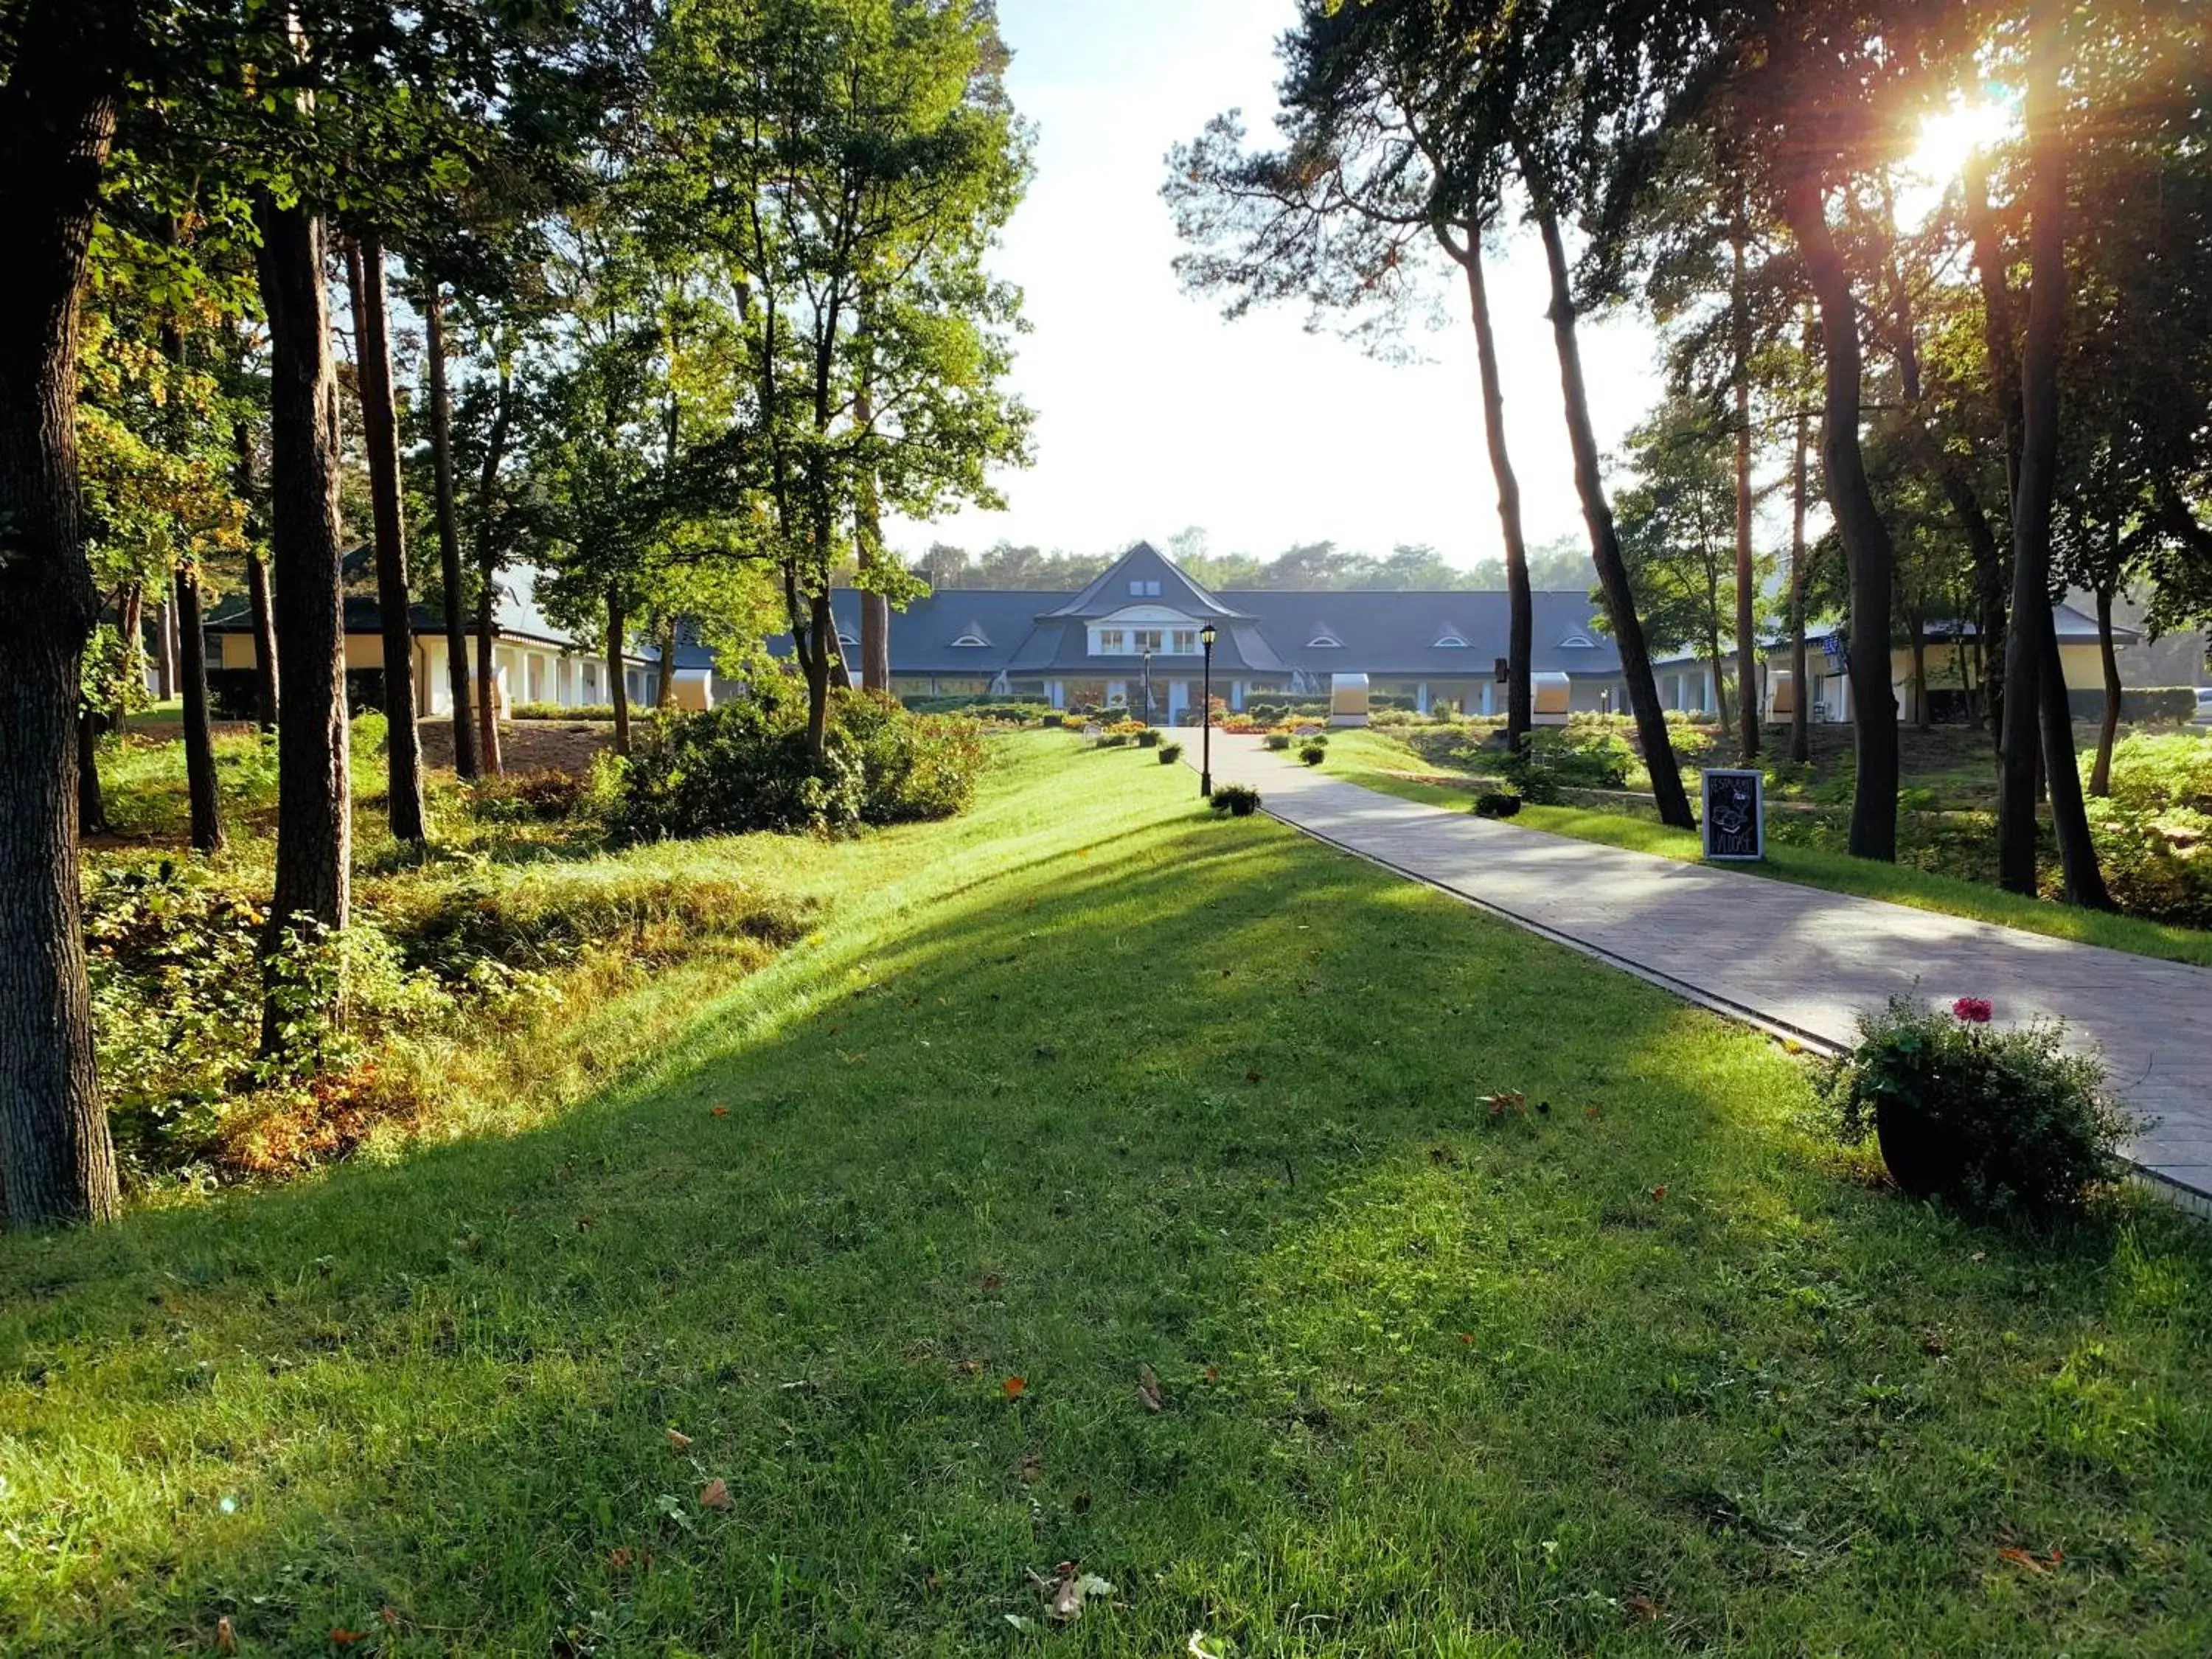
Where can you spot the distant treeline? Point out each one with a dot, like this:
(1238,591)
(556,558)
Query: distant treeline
(1560,565)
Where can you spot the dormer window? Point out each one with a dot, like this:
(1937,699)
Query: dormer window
(1450,640)
(971,640)
(1324,642)
(1145,589)
(1577,642)
(844,638)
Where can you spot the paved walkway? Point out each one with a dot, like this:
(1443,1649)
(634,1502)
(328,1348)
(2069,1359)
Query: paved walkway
(1794,960)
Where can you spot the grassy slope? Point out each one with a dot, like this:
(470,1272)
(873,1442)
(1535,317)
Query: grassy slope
(1084,1082)
(1379,761)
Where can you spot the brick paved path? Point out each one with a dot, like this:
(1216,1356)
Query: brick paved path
(1794,959)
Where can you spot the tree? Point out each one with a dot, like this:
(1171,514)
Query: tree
(380,417)
(1372,171)
(452,582)
(1678,529)
(66,66)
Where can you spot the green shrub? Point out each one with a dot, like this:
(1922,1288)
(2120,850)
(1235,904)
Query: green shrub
(529,796)
(639,712)
(1280,741)
(1313,753)
(2149,705)
(1113,739)
(1149,737)
(746,767)
(1587,754)
(1495,804)
(1998,1122)
(1238,799)
(1171,753)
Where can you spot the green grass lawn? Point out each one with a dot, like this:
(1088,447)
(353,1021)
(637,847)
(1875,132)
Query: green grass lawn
(1084,1082)
(1379,761)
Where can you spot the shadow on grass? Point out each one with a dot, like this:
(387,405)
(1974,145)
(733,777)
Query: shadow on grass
(1201,1096)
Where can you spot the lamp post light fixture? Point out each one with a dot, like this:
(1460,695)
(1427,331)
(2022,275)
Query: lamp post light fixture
(1207,635)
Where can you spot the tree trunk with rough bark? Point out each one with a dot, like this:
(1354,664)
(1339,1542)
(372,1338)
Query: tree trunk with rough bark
(256,588)
(56,121)
(1801,710)
(379,420)
(1658,745)
(91,802)
(2032,658)
(449,533)
(1991,572)
(314,792)
(200,787)
(2108,730)
(1866,547)
(1520,624)
(617,685)
(868,536)
(488,556)
(665,637)
(1746,647)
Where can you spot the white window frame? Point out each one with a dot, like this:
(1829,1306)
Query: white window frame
(1112,643)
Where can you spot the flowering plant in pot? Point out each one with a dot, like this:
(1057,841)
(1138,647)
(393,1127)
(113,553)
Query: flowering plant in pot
(1998,1121)
(1238,799)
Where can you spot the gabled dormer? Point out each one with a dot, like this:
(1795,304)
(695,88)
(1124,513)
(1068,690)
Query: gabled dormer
(1144,576)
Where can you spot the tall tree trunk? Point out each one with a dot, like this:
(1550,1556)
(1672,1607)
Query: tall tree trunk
(2036,706)
(204,798)
(665,637)
(617,684)
(165,650)
(822,623)
(488,757)
(1991,571)
(488,559)
(1746,647)
(449,534)
(1801,707)
(1666,789)
(256,588)
(379,420)
(130,620)
(1520,626)
(200,785)
(2100,774)
(56,119)
(91,802)
(1859,527)
(1920,716)
(314,787)
(868,531)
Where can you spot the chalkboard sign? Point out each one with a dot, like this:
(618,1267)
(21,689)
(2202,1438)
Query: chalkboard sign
(1734,815)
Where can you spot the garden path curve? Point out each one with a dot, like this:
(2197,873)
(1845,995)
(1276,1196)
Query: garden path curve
(1797,961)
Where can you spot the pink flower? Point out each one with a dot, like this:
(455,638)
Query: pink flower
(1975,1010)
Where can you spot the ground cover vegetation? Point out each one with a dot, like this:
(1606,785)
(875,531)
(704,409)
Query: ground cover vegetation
(1059,1196)
(670,304)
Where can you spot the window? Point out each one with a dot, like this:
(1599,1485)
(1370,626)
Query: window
(1324,642)
(1576,642)
(844,638)
(1451,639)
(1186,642)
(1144,590)
(971,639)
(1148,639)
(1112,643)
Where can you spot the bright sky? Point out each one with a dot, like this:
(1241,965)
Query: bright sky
(1154,414)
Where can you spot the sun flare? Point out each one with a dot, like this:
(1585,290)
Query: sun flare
(1947,139)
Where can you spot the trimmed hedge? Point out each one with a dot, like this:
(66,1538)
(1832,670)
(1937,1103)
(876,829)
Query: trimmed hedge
(2140,705)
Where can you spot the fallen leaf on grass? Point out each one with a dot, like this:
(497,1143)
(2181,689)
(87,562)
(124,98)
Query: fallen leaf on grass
(1066,1590)
(1508,1101)
(2033,1563)
(1213,1373)
(1591,1111)
(1641,1609)
(716,1495)
(678,1441)
(965,1368)
(1197,1648)
(1148,1389)
(346,1638)
(1013,1386)
(619,1560)
(1251,1076)
(226,1638)
(389,1615)
(992,1281)
(722,1111)
(1658,1192)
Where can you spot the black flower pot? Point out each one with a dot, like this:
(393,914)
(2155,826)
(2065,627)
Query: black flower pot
(1242,809)
(1923,1156)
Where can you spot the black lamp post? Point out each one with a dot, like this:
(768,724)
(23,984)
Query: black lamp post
(1148,685)
(1207,635)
